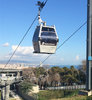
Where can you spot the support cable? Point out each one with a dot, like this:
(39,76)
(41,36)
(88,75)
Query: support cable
(44,3)
(65,41)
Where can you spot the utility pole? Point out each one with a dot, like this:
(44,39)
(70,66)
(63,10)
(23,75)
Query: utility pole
(89,47)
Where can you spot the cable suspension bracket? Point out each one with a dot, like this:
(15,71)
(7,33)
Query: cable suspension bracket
(41,5)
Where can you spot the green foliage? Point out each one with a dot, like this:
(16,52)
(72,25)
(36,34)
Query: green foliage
(55,76)
(50,94)
(39,71)
(77,97)
(25,87)
(72,68)
(89,98)
(70,93)
(82,77)
(69,79)
(61,95)
(56,94)
(55,69)
(0,94)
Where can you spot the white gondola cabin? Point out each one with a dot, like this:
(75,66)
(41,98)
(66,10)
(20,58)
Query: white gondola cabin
(45,39)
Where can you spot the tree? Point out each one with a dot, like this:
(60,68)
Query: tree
(69,79)
(82,77)
(39,71)
(55,70)
(56,79)
(83,66)
(28,74)
(25,87)
(72,68)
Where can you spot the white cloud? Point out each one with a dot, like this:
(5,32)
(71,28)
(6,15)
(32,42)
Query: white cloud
(25,53)
(6,44)
(62,59)
(77,57)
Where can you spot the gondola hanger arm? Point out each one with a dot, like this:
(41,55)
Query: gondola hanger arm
(41,5)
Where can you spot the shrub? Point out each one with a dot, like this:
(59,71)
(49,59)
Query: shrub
(25,87)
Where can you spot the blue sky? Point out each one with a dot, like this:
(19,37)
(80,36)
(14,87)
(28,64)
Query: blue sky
(67,15)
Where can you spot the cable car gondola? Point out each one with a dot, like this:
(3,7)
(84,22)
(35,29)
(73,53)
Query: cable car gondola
(45,38)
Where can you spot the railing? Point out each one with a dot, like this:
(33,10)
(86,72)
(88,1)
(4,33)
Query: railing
(67,87)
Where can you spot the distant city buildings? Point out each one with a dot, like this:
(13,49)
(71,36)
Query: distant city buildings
(13,66)
(22,66)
